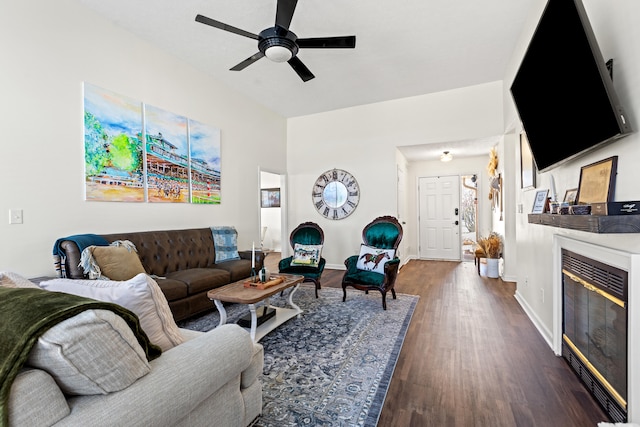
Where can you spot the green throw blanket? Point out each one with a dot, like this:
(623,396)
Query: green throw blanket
(27,313)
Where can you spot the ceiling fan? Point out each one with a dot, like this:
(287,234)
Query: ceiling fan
(279,44)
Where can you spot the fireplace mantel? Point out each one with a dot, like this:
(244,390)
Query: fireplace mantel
(590,223)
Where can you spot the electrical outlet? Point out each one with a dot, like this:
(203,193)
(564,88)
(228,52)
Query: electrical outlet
(15,216)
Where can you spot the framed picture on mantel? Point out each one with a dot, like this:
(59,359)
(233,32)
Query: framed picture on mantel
(540,202)
(597,182)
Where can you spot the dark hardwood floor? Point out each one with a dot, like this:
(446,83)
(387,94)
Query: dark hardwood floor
(472,357)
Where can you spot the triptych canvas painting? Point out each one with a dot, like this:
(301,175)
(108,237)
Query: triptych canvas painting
(136,152)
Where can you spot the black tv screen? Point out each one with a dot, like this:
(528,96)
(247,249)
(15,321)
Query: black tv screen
(563,90)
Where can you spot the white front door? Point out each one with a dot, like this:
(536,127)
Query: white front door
(439,219)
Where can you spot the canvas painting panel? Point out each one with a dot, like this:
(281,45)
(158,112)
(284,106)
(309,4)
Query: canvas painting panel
(112,146)
(167,156)
(204,145)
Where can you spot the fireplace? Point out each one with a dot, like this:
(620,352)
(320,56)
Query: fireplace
(594,328)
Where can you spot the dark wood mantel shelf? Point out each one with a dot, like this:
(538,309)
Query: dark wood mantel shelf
(590,223)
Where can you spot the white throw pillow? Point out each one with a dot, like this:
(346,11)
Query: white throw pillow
(141,295)
(94,352)
(374,259)
(9,279)
(308,255)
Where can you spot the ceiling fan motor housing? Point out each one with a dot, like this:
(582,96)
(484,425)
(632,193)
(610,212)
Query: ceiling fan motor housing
(276,38)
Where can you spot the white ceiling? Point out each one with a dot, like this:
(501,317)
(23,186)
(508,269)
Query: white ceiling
(403,48)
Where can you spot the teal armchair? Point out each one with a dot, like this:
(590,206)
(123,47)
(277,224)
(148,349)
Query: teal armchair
(308,233)
(364,271)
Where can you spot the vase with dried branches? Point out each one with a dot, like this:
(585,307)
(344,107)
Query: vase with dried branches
(492,245)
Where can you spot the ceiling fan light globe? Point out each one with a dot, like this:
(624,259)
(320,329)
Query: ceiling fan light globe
(278,53)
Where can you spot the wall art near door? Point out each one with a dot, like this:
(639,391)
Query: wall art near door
(112,147)
(270,198)
(167,150)
(204,143)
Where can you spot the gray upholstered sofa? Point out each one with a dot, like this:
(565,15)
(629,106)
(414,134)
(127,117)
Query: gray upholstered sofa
(183,262)
(212,379)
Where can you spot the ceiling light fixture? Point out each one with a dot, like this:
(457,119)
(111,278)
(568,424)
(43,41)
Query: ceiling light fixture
(278,44)
(278,54)
(446,157)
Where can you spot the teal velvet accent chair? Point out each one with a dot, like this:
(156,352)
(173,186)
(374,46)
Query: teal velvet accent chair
(307,233)
(384,232)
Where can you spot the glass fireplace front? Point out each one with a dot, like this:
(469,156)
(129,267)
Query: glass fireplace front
(595,328)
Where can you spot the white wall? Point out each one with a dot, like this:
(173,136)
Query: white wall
(615,27)
(48,49)
(363,141)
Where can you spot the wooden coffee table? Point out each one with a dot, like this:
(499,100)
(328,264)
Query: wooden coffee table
(237,293)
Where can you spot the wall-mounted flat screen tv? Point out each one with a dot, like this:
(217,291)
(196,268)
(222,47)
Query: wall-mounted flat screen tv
(563,90)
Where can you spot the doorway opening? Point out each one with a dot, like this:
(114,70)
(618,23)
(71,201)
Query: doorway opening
(468,216)
(272,220)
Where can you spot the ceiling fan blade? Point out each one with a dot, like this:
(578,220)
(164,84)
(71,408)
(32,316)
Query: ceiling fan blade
(301,69)
(284,12)
(250,60)
(217,24)
(328,42)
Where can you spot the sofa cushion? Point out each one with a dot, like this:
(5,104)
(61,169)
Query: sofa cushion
(225,239)
(141,295)
(35,400)
(238,269)
(115,262)
(200,279)
(94,352)
(172,289)
(373,259)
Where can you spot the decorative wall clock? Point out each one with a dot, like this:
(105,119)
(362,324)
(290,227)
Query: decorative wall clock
(335,194)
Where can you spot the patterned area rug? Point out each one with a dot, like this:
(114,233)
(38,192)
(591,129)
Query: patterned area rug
(331,365)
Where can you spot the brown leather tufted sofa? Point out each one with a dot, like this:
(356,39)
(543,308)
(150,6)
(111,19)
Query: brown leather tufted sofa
(183,260)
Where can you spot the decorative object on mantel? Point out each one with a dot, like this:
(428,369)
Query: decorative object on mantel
(570,196)
(527,164)
(580,209)
(563,209)
(552,189)
(616,208)
(540,203)
(597,182)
